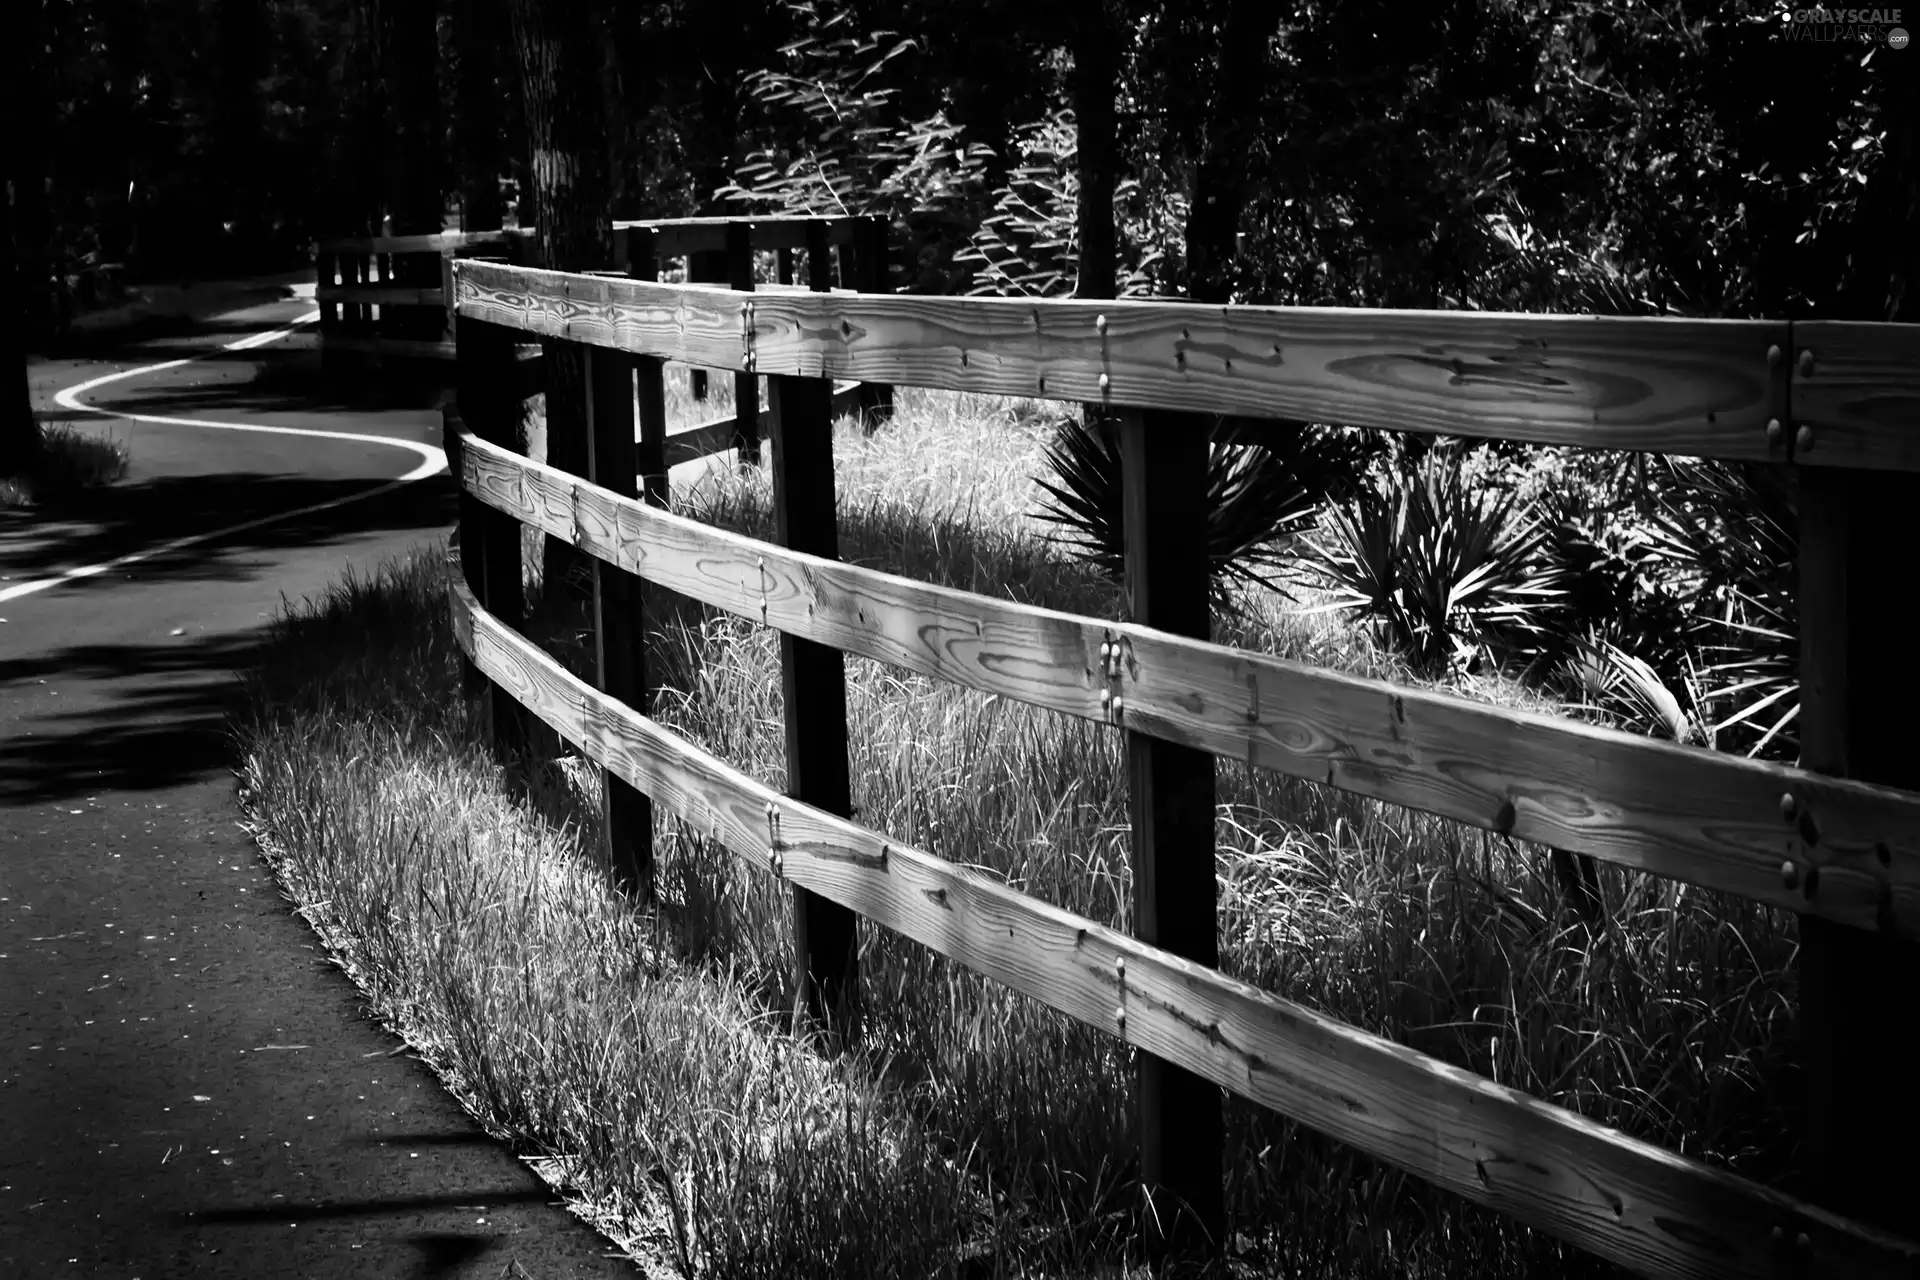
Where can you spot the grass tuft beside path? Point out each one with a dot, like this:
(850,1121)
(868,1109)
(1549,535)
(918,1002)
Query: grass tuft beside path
(70,461)
(643,1053)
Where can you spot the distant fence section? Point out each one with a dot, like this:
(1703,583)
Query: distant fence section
(390,298)
(1837,842)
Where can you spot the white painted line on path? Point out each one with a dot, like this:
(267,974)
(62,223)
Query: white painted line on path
(432,462)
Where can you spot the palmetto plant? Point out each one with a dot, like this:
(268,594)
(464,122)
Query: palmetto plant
(1447,572)
(1680,616)
(1257,495)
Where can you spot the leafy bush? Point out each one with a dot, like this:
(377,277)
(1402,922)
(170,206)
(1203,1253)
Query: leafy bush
(1447,571)
(1029,245)
(842,149)
(1256,495)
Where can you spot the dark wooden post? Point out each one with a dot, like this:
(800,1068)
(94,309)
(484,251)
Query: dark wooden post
(783,266)
(326,267)
(380,271)
(746,386)
(468,537)
(650,457)
(620,659)
(813,684)
(1859,606)
(1163,468)
(706,267)
(873,275)
(446,293)
(489,406)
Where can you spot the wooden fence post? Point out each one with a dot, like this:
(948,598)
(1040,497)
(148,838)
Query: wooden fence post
(746,386)
(446,292)
(873,276)
(813,685)
(467,535)
(325,267)
(650,457)
(489,405)
(783,266)
(620,658)
(705,267)
(1163,471)
(1859,608)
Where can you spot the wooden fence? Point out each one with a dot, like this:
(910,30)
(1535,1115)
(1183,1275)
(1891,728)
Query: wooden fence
(390,298)
(1837,842)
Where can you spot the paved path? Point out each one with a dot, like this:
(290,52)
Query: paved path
(185,1088)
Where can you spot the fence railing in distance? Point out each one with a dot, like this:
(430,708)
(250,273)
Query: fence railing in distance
(850,251)
(1842,852)
(390,298)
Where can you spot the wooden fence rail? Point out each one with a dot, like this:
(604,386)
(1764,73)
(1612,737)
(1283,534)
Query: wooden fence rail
(1841,851)
(390,298)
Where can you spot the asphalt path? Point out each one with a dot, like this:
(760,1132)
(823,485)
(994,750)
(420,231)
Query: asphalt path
(186,1087)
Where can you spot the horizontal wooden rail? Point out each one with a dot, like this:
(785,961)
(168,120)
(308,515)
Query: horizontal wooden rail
(1705,817)
(380,295)
(1636,1204)
(1694,387)
(437,243)
(693,443)
(677,237)
(1856,394)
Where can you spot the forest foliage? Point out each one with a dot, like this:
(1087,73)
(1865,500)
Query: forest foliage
(1658,157)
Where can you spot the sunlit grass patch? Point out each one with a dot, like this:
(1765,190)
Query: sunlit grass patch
(976,1123)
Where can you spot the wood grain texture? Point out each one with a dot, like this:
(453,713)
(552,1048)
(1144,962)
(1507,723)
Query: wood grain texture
(1647,1209)
(1677,386)
(1705,817)
(381,295)
(1859,393)
(676,237)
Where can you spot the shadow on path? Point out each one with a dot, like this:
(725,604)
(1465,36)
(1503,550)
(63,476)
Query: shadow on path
(91,528)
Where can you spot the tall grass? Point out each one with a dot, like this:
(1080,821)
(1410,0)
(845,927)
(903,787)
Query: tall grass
(69,462)
(977,1132)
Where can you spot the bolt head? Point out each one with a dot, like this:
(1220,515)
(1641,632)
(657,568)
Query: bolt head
(1775,431)
(1774,356)
(1789,874)
(1100,323)
(1789,806)
(1803,439)
(1806,363)
(1105,382)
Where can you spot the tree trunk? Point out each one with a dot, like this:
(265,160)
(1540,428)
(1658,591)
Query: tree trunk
(19,432)
(478,122)
(408,58)
(29,109)
(126,49)
(239,112)
(559,43)
(1220,179)
(1096,66)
